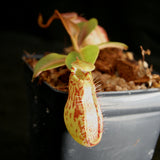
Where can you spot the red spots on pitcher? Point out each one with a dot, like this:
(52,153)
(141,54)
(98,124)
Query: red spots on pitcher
(78,112)
(82,114)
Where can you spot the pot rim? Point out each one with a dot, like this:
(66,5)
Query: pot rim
(115,93)
(105,93)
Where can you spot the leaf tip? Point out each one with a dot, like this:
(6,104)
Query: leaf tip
(34,76)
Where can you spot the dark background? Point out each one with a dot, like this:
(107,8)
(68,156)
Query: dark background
(132,22)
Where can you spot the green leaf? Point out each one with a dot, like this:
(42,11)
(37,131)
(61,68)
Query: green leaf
(50,61)
(85,29)
(80,24)
(72,57)
(90,53)
(113,45)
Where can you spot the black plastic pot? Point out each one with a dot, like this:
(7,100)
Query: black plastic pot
(131,125)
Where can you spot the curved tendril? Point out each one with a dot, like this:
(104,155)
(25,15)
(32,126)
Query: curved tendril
(48,23)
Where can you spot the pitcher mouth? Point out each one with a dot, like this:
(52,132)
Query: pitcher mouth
(78,74)
(80,69)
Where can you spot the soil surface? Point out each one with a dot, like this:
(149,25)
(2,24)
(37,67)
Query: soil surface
(116,70)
